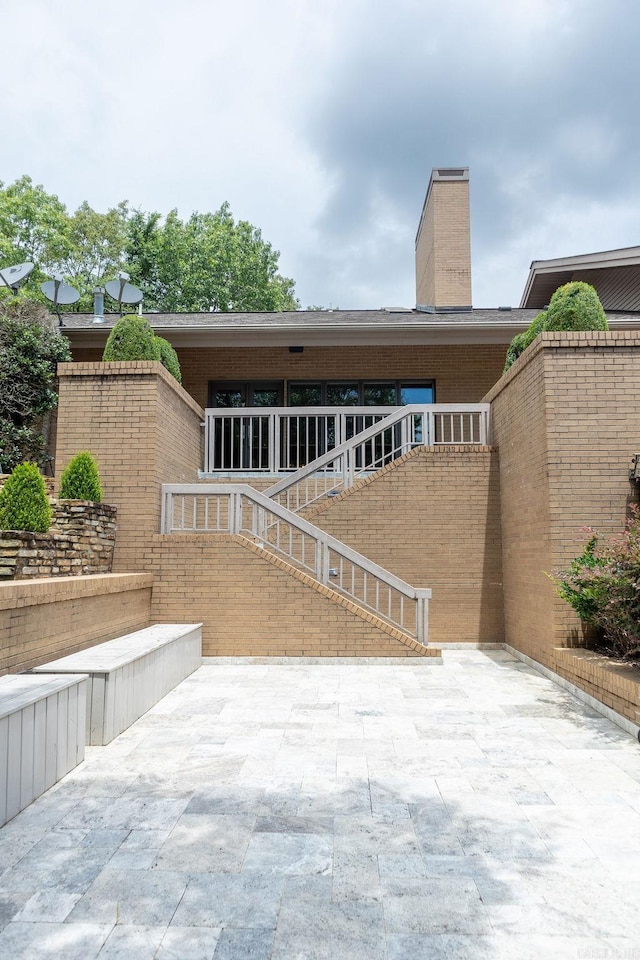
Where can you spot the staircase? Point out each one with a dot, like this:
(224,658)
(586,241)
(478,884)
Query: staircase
(270,522)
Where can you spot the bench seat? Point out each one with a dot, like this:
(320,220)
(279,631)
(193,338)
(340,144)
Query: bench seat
(128,675)
(42,735)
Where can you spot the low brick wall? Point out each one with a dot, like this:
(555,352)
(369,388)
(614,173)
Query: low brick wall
(41,620)
(617,685)
(80,541)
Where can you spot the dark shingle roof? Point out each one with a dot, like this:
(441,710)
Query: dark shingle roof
(320,319)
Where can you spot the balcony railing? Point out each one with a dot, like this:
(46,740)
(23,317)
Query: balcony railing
(239,509)
(284,439)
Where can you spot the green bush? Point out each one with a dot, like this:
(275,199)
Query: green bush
(574,306)
(23,501)
(131,339)
(603,587)
(169,358)
(80,480)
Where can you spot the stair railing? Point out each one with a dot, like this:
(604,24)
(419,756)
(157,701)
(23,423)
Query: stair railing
(379,444)
(240,509)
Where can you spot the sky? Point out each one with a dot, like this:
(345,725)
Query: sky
(319,121)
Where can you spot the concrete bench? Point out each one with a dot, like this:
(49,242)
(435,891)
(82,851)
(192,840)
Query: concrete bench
(42,735)
(128,675)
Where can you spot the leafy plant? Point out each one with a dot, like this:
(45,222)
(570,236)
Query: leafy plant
(23,501)
(574,306)
(131,339)
(169,358)
(30,349)
(603,587)
(80,480)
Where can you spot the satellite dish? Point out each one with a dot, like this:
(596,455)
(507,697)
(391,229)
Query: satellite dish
(122,291)
(13,276)
(59,292)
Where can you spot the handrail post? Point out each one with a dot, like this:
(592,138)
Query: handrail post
(430,423)
(422,620)
(274,441)
(235,512)
(404,435)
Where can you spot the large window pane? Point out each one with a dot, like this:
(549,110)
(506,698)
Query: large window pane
(265,398)
(343,395)
(305,395)
(416,393)
(379,395)
(229,398)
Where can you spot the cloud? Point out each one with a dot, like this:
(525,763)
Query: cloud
(320,123)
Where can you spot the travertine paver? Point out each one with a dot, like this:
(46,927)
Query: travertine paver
(302,810)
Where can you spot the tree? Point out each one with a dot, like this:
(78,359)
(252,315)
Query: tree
(34,226)
(206,263)
(30,349)
(574,306)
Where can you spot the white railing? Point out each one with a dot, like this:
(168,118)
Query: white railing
(283,439)
(239,509)
(379,444)
(277,439)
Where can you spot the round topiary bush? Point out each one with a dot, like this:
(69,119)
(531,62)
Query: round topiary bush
(131,339)
(169,358)
(575,306)
(80,480)
(23,501)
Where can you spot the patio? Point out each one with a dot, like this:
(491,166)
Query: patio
(307,809)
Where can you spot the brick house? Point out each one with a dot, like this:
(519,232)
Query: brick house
(475,520)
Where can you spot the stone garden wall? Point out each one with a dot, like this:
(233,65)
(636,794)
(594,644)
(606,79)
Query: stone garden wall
(80,541)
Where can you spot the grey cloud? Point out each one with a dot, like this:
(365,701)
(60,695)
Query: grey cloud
(405,97)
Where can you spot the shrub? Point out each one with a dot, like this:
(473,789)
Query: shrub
(131,339)
(603,587)
(169,358)
(574,306)
(23,501)
(80,480)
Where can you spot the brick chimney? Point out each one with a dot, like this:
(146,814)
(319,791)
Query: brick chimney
(443,243)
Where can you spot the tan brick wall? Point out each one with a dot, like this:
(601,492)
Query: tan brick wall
(617,685)
(462,373)
(443,249)
(143,429)
(434,520)
(250,607)
(566,420)
(41,620)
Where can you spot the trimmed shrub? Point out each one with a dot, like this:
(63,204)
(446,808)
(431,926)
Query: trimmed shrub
(80,480)
(131,339)
(574,306)
(169,358)
(603,587)
(24,504)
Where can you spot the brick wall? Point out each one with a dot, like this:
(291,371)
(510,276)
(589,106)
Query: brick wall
(252,607)
(41,620)
(143,429)
(434,520)
(566,420)
(462,373)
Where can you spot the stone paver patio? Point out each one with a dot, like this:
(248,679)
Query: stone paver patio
(300,810)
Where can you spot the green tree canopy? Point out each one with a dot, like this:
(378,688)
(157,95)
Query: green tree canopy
(207,262)
(30,349)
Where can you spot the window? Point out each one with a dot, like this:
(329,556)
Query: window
(389,393)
